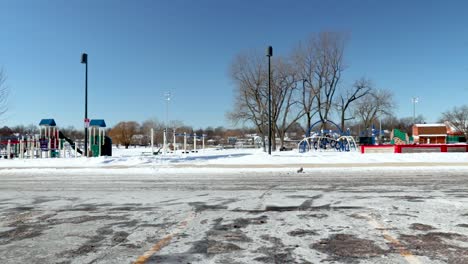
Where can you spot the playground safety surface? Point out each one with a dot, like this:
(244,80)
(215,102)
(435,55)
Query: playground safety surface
(349,216)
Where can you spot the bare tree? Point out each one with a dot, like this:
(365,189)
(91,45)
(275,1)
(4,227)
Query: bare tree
(123,132)
(4,91)
(328,48)
(458,118)
(377,102)
(251,99)
(6,131)
(285,99)
(32,129)
(73,133)
(20,129)
(145,130)
(360,89)
(304,57)
(250,77)
(319,63)
(405,124)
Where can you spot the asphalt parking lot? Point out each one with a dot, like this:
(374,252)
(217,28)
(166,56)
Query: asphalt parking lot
(320,216)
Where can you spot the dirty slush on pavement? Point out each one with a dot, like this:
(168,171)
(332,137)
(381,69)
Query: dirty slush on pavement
(308,219)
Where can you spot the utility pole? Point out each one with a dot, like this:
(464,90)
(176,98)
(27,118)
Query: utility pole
(167,96)
(269,55)
(84,59)
(414,100)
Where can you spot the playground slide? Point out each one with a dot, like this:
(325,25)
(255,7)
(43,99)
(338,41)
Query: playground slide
(158,152)
(399,137)
(62,136)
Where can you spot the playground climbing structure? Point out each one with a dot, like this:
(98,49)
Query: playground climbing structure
(327,139)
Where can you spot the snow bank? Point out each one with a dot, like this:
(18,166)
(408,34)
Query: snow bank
(252,158)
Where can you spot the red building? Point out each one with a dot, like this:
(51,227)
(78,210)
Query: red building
(430,133)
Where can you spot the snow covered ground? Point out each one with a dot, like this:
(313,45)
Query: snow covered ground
(235,206)
(139,160)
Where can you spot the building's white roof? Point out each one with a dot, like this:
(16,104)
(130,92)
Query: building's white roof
(432,135)
(430,125)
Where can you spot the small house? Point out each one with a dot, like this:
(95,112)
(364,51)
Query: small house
(430,133)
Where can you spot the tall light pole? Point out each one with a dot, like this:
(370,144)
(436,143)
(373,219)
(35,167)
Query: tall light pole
(303,96)
(269,55)
(414,100)
(263,129)
(380,129)
(84,59)
(167,97)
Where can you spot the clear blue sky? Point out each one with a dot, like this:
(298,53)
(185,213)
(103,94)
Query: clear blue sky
(140,49)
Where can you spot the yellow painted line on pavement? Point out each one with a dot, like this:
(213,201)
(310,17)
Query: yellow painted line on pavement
(165,241)
(410,258)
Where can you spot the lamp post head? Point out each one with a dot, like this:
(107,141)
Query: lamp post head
(84,58)
(269,51)
(167,96)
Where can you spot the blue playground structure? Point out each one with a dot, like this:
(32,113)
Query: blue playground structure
(370,135)
(327,139)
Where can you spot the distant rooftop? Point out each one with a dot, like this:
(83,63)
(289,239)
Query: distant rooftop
(431,135)
(430,125)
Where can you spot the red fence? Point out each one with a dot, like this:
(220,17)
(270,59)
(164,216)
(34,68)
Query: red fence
(414,148)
